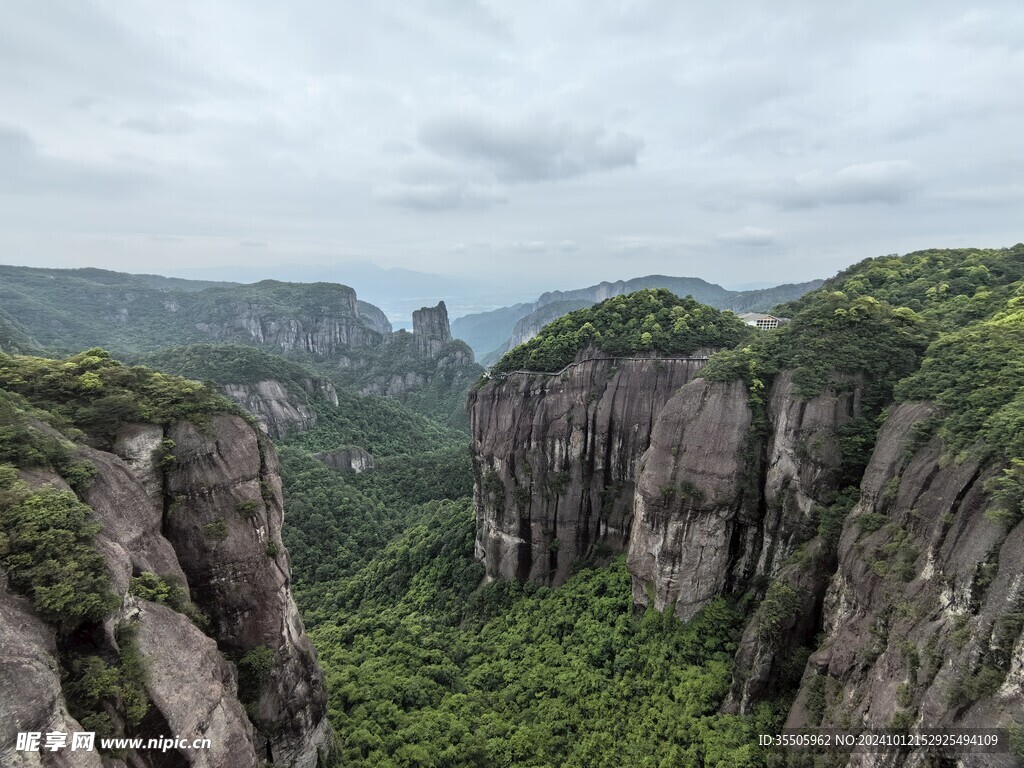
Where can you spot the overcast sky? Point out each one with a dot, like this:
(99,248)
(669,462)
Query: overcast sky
(560,142)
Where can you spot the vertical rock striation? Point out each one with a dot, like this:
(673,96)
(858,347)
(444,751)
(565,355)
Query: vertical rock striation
(224,520)
(691,505)
(279,410)
(431,330)
(555,459)
(923,619)
(205,518)
(30,692)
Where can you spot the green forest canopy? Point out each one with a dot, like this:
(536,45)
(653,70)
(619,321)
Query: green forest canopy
(651,320)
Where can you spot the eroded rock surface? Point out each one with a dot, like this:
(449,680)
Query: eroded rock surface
(431,330)
(280,411)
(30,692)
(354,460)
(224,520)
(206,518)
(555,459)
(690,502)
(923,617)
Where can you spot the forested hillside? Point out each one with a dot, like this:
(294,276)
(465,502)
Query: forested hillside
(851,479)
(429,668)
(492,334)
(319,328)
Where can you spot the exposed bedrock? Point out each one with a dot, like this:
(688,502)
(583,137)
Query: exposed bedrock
(923,618)
(691,506)
(224,518)
(723,498)
(431,330)
(280,411)
(555,458)
(205,514)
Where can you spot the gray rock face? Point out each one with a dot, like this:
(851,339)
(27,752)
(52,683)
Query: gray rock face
(325,333)
(926,600)
(374,318)
(225,524)
(690,498)
(717,507)
(351,460)
(131,538)
(30,693)
(137,444)
(804,458)
(210,710)
(211,522)
(431,330)
(555,460)
(280,411)
(272,405)
(397,385)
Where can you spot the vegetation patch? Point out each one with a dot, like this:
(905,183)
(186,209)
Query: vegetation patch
(651,320)
(47,548)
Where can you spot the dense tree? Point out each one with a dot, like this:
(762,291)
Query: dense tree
(652,321)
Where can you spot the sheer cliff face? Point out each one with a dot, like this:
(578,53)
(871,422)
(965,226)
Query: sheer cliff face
(373,317)
(555,460)
(726,498)
(803,459)
(223,517)
(324,331)
(31,697)
(690,504)
(920,604)
(210,520)
(923,618)
(431,330)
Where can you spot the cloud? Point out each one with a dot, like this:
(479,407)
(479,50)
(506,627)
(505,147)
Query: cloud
(537,149)
(884,181)
(439,197)
(25,171)
(161,124)
(986,195)
(749,236)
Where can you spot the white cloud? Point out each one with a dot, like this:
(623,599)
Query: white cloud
(538,148)
(752,236)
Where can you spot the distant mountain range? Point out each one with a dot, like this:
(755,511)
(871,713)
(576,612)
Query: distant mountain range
(493,333)
(395,290)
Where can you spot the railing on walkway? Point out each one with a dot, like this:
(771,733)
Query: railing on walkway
(504,375)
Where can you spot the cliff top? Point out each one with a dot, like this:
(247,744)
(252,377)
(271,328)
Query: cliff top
(651,320)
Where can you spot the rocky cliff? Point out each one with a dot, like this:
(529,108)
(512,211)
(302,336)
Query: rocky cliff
(374,318)
(321,319)
(916,611)
(67,310)
(280,411)
(351,460)
(30,683)
(923,619)
(555,458)
(721,499)
(195,508)
(431,330)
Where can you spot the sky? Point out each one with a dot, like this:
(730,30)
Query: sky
(536,144)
